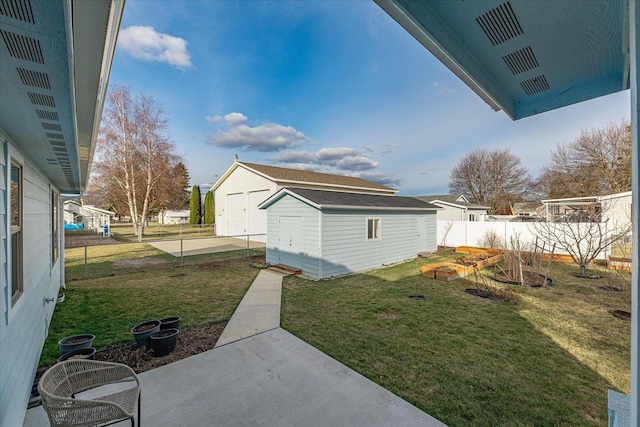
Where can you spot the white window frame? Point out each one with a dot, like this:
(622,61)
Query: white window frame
(472,217)
(18,232)
(377,228)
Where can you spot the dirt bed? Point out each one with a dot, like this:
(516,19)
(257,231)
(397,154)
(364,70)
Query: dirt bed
(191,341)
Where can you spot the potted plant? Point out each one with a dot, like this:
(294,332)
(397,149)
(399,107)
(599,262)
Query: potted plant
(170,323)
(142,331)
(164,341)
(75,342)
(83,353)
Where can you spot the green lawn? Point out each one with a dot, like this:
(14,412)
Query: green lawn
(547,359)
(154,231)
(109,307)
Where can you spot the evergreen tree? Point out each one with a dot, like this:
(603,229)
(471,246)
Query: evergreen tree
(195,206)
(209,211)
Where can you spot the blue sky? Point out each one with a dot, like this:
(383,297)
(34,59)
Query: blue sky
(330,86)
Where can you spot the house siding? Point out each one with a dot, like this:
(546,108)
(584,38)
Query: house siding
(310,246)
(346,250)
(23,328)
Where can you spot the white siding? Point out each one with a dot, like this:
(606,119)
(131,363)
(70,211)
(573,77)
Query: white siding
(291,207)
(345,248)
(450,213)
(240,181)
(23,328)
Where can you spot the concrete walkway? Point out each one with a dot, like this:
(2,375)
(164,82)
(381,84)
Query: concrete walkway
(259,310)
(261,375)
(203,245)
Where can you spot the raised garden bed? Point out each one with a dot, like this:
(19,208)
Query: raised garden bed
(478,257)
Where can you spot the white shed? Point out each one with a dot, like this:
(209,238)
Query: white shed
(244,186)
(329,233)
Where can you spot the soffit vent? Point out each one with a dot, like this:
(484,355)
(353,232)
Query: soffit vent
(22,47)
(58,143)
(500,24)
(55,135)
(17,9)
(52,126)
(535,85)
(40,99)
(59,149)
(521,60)
(34,78)
(47,115)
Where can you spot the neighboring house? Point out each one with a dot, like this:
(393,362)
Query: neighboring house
(244,186)
(529,209)
(174,217)
(54,70)
(92,217)
(328,233)
(613,208)
(456,208)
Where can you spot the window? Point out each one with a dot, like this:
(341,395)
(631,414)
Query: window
(16,231)
(373,228)
(472,217)
(55,199)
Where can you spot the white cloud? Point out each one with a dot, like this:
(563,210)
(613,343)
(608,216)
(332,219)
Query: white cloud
(356,163)
(335,153)
(266,137)
(330,159)
(146,44)
(235,118)
(388,148)
(214,119)
(295,157)
(381,178)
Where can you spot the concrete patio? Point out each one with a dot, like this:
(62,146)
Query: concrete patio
(204,245)
(261,374)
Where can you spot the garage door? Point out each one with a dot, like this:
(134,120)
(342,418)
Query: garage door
(258,217)
(235,214)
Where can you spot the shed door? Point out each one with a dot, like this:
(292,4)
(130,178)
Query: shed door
(235,214)
(422,233)
(257,217)
(290,244)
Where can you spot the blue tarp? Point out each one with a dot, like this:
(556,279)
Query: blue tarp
(78,226)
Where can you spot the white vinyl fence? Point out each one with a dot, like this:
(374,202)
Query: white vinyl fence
(472,233)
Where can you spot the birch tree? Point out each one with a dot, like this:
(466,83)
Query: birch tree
(134,153)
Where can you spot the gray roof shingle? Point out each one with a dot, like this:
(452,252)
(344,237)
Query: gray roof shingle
(336,198)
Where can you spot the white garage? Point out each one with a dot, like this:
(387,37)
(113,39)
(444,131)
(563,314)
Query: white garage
(244,186)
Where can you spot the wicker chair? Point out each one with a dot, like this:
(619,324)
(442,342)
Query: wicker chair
(59,385)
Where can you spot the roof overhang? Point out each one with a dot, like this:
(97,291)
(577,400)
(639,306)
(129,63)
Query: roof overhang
(56,60)
(525,57)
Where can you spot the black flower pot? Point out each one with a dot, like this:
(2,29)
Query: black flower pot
(164,342)
(83,353)
(75,342)
(170,323)
(142,331)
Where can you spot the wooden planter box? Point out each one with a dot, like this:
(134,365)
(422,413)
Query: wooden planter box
(446,274)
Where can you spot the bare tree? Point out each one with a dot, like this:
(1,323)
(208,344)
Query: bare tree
(494,178)
(583,239)
(134,153)
(596,163)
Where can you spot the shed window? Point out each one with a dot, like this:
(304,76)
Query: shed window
(373,228)
(472,217)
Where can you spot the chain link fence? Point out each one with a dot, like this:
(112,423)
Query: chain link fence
(101,260)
